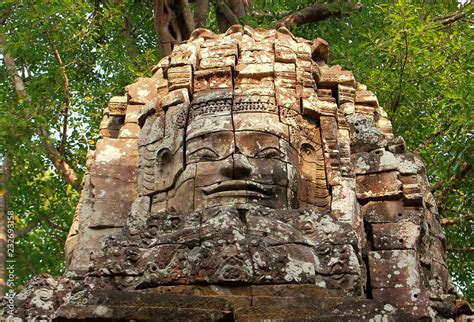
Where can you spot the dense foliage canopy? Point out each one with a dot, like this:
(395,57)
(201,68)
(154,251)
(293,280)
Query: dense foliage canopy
(63,60)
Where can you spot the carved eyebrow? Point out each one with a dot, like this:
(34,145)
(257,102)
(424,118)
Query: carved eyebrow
(269,152)
(204,150)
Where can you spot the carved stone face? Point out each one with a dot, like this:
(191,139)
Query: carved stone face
(235,151)
(243,165)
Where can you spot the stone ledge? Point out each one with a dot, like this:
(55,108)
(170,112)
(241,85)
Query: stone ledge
(220,303)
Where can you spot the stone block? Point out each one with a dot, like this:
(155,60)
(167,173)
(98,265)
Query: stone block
(374,161)
(409,163)
(227,61)
(383,184)
(437,250)
(344,201)
(285,80)
(349,284)
(334,75)
(175,97)
(129,131)
(411,186)
(142,91)
(346,94)
(434,225)
(213,78)
(366,98)
(394,269)
(365,110)
(254,100)
(106,304)
(180,77)
(400,296)
(255,71)
(184,54)
(385,125)
(118,152)
(175,119)
(257,56)
(438,277)
(117,106)
(90,241)
(397,145)
(400,235)
(364,135)
(390,211)
(164,63)
(328,129)
(347,108)
(314,107)
(110,126)
(110,212)
(133,111)
(320,50)
(286,99)
(344,143)
(219,50)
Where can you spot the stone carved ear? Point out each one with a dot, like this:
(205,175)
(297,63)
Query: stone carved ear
(163,157)
(168,168)
(308,153)
(312,185)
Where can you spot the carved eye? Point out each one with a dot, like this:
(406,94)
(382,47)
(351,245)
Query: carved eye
(204,154)
(269,153)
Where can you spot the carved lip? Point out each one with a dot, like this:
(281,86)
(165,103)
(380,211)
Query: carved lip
(237,188)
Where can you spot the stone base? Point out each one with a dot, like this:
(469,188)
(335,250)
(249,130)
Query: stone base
(218,303)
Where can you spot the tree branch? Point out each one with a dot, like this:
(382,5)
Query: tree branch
(26,230)
(12,70)
(402,71)
(128,33)
(460,249)
(129,40)
(465,169)
(67,99)
(449,221)
(454,16)
(429,140)
(317,12)
(53,225)
(271,15)
(66,171)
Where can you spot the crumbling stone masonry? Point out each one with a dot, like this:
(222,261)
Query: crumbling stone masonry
(249,180)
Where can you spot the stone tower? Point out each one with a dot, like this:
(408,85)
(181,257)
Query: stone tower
(249,180)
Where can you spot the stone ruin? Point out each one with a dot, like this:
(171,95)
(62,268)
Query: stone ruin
(249,180)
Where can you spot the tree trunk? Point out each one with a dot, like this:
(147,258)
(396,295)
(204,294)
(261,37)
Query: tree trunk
(173,22)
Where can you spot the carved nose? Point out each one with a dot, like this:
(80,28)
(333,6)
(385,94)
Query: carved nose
(242,167)
(227,169)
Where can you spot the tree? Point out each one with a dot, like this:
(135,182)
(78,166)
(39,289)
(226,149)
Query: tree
(61,62)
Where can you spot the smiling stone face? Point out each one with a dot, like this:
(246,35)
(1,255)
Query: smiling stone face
(247,165)
(233,150)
